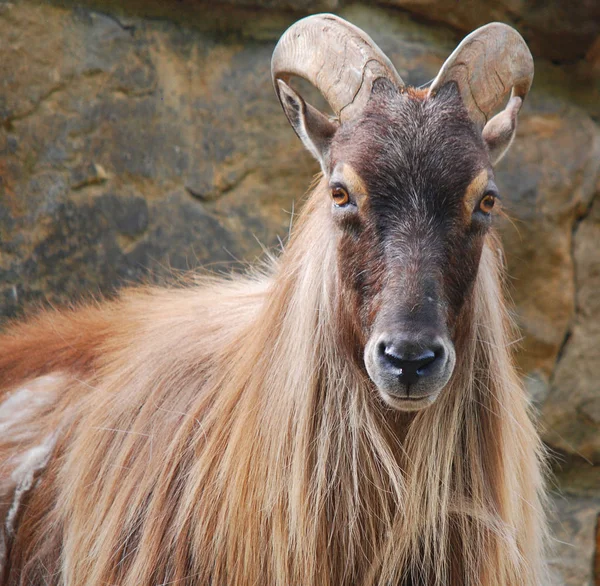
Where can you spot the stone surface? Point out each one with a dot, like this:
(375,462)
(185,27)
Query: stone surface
(547,181)
(117,144)
(573,540)
(572,410)
(557,29)
(295,5)
(575,507)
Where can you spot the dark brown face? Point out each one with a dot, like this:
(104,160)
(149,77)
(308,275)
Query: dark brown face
(412,194)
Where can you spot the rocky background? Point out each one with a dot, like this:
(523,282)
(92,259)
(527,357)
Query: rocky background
(141,138)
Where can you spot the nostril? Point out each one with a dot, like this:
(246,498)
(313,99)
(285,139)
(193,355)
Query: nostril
(391,354)
(399,358)
(381,348)
(408,361)
(425,360)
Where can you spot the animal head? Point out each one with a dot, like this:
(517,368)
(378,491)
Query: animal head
(410,181)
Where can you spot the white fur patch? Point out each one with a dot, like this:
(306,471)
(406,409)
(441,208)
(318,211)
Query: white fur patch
(24,404)
(20,413)
(32,461)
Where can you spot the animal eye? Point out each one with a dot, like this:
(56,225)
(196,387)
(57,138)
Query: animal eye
(487,203)
(340,196)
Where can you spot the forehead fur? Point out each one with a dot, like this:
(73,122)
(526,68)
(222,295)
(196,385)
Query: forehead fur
(408,144)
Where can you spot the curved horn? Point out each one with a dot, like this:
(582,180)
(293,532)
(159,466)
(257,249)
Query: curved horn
(339,59)
(487,64)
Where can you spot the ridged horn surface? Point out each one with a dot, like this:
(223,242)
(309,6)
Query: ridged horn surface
(488,63)
(338,58)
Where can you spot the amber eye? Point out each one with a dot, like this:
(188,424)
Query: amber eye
(487,203)
(340,196)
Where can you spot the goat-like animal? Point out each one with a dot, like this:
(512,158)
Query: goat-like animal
(351,418)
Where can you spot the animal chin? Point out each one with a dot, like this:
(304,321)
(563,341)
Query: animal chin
(405,397)
(408,403)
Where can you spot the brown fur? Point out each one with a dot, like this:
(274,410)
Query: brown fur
(417,94)
(219,435)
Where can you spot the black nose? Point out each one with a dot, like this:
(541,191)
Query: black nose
(411,360)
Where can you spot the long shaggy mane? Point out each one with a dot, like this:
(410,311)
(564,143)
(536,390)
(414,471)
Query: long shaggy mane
(220,435)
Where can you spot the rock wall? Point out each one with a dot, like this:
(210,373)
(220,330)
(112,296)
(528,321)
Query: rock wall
(140,140)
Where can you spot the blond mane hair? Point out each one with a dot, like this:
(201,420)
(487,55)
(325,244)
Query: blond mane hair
(218,434)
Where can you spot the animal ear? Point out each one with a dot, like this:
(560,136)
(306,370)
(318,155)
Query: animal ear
(500,131)
(313,128)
